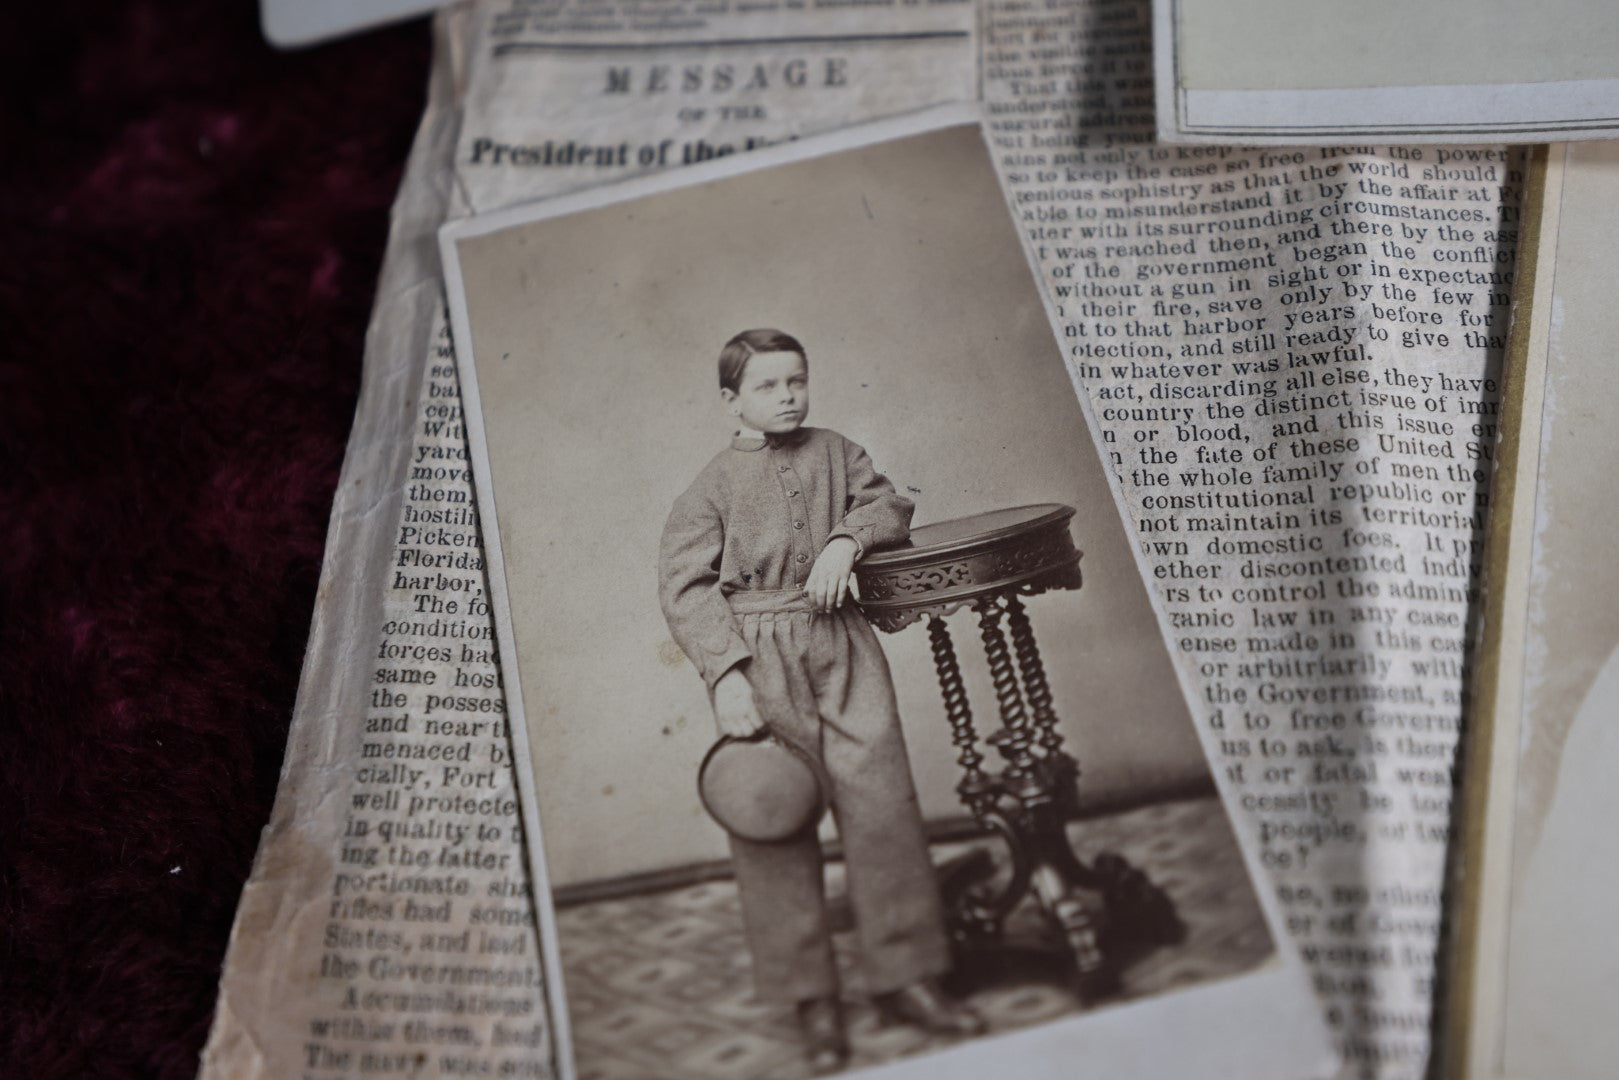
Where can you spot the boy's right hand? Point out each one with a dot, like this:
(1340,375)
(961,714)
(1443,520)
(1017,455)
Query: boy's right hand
(735,712)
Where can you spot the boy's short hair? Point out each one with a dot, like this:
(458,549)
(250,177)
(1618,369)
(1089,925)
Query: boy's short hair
(741,348)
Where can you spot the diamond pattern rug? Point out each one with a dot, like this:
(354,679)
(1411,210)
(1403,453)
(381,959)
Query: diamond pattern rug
(658,984)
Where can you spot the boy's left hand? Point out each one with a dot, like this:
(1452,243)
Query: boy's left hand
(831,579)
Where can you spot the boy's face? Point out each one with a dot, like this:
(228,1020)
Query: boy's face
(773,395)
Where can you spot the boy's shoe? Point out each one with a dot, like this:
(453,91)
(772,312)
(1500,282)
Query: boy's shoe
(928,1007)
(826,1045)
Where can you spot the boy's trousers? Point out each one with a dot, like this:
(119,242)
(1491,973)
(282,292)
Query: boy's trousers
(821,682)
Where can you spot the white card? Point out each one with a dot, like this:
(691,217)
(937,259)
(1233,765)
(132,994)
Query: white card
(290,24)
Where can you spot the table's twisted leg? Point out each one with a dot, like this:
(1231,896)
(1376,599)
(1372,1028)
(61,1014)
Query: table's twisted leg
(975,906)
(1136,912)
(976,788)
(1062,766)
(1042,789)
(1100,911)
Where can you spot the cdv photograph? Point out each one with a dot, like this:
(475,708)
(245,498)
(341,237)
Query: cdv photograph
(848,736)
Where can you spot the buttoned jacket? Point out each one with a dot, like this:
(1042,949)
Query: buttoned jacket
(756,517)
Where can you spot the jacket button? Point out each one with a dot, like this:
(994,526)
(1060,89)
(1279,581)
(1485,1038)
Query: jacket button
(803,558)
(781,468)
(798,524)
(790,494)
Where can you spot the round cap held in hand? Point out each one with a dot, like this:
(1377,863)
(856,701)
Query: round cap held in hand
(761,788)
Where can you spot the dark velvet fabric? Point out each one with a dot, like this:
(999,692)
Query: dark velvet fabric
(191,226)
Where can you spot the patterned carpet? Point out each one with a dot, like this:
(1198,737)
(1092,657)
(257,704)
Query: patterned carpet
(658,984)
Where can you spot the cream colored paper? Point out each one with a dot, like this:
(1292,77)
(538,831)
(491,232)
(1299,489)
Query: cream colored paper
(1543,966)
(1313,72)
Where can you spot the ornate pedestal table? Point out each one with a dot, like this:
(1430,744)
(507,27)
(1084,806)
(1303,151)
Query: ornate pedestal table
(989,562)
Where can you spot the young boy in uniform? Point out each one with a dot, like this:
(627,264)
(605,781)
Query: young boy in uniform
(756,577)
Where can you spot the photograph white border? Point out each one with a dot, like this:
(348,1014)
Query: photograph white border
(1263,1024)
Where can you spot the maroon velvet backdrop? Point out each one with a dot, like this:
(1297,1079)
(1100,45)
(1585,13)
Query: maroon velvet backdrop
(190,231)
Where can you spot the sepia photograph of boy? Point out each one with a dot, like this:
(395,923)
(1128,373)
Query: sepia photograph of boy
(674,534)
(756,580)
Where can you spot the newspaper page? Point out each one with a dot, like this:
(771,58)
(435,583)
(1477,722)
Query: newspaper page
(1294,355)
(309,916)
(1290,355)
(579,95)
(386,927)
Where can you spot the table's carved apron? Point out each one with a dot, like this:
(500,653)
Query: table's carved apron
(990,561)
(900,586)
